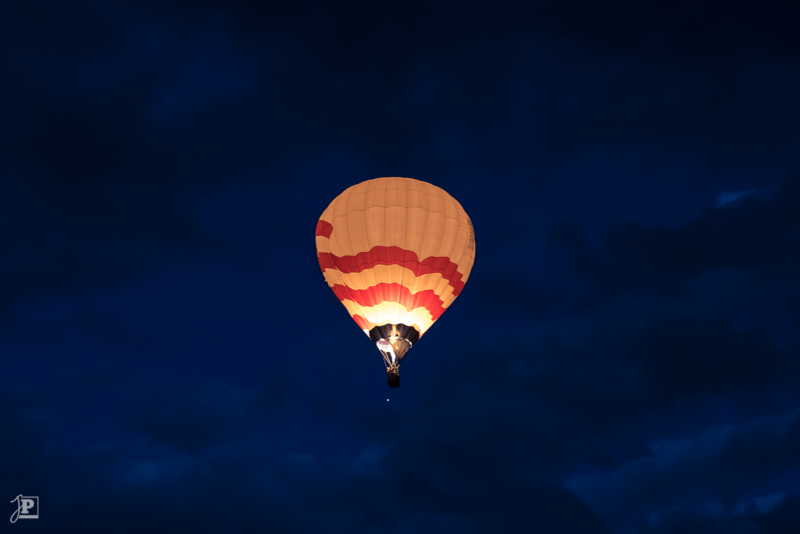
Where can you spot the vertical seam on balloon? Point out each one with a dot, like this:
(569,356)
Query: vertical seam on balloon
(467,269)
(385,231)
(415,285)
(438,250)
(350,237)
(425,235)
(405,237)
(418,286)
(437,192)
(384,295)
(462,216)
(371,278)
(439,289)
(438,239)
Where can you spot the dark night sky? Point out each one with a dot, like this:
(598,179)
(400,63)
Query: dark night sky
(625,357)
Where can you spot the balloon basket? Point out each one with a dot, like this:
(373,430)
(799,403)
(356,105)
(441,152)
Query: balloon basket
(394,380)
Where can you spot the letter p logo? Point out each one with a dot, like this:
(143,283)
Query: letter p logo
(26,504)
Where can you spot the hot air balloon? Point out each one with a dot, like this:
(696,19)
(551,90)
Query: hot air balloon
(396,252)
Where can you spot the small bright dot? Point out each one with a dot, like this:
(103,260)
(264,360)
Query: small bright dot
(387,400)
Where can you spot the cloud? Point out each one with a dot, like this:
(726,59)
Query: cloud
(726,197)
(754,236)
(726,471)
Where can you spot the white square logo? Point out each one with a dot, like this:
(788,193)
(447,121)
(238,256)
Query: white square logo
(27,508)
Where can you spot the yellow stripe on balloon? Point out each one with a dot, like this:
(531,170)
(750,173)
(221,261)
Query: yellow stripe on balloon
(370,278)
(391,313)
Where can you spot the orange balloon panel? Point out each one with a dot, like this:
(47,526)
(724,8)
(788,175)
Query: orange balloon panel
(395,251)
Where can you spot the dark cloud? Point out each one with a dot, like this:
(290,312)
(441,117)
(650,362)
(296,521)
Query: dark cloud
(783,518)
(723,475)
(754,234)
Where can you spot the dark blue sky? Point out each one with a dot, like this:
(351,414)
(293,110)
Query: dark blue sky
(625,357)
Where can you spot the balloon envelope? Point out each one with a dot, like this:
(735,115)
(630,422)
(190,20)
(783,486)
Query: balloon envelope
(396,252)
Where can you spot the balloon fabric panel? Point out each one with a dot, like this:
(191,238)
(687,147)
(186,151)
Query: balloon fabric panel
(395,251)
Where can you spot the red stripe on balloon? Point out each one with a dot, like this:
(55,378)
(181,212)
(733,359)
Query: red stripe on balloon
(361,322)
(324,228)
(394,256)
(380,293)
